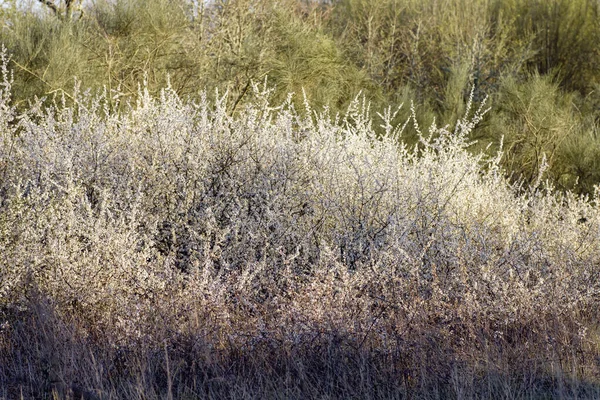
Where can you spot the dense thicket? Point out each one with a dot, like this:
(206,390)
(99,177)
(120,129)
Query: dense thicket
(538,60)
(175,224)
(172,250)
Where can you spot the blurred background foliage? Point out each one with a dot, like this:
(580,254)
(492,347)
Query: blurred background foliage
(537,60)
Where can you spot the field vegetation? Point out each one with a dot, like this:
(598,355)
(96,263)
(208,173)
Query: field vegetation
(253,199)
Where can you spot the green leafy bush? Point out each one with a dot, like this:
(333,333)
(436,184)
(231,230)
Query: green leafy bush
(536,120)
(564,36)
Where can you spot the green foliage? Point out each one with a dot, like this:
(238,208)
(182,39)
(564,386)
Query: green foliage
(564,36)
(226,45)
(533,57)
(580,168)
(46,53)
(307,60)
(536,120)
(423,43)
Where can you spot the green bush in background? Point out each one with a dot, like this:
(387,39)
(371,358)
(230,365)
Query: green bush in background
(538,60)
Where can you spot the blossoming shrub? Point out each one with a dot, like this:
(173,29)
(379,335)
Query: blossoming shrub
(171,249)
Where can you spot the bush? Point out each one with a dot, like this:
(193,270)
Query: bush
(535,120)
(172,249)
(564,36)
(225,45)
